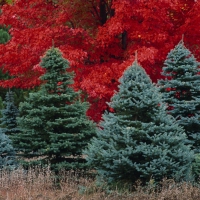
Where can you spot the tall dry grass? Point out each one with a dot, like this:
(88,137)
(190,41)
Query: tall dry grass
(39,184)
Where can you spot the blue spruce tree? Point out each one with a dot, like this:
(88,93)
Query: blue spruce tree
(53,122)
(139,140)
(9,115)
(8,119)
(181,91)
(7,152)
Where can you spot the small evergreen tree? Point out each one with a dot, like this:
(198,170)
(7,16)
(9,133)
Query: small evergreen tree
(9,115)
(139,140)
(7,153)
(53,120)
(181,91)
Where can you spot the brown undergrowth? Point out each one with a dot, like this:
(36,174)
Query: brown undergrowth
(39,184)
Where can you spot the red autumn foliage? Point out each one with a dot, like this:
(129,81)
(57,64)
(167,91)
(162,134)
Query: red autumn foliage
(98,37)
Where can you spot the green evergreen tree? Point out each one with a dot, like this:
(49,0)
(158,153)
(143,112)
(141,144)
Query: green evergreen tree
(7,153)
(181,91)
(139,140)
(53,122)
(9,115)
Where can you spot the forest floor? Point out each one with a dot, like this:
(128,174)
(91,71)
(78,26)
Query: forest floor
(39,184)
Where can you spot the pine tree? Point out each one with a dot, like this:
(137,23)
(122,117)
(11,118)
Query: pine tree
(181,91)
(139,140)
(9,115)
(7,153)
(53,119)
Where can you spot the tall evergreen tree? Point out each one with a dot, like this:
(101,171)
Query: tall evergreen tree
(139,140)
(9,115)
(181,91)
(7,153)
(53,121)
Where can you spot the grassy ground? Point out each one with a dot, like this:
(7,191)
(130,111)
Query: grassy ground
(39,184)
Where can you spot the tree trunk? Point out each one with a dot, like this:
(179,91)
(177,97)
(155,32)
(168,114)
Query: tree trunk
(103,13)
(124,40)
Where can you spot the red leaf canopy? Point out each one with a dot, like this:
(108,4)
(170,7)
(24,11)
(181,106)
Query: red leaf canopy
(98,37)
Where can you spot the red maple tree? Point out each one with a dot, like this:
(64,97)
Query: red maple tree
(98,37)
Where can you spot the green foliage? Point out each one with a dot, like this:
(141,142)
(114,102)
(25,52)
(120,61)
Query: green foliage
(196,167)
(139,140)
(53,120)
(20,95)
(7,153)
(181,91)
(9,1)
(4,36)
(1,106)
(9,115)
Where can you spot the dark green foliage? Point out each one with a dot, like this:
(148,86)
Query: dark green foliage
(9,115)
(1,106)
(4,36)
(53,120)
(196,167)
(7,153)
(20,95)
(3,76)
(139,140)
(182,91)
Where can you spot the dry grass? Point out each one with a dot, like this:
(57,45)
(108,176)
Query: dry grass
(39,184)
